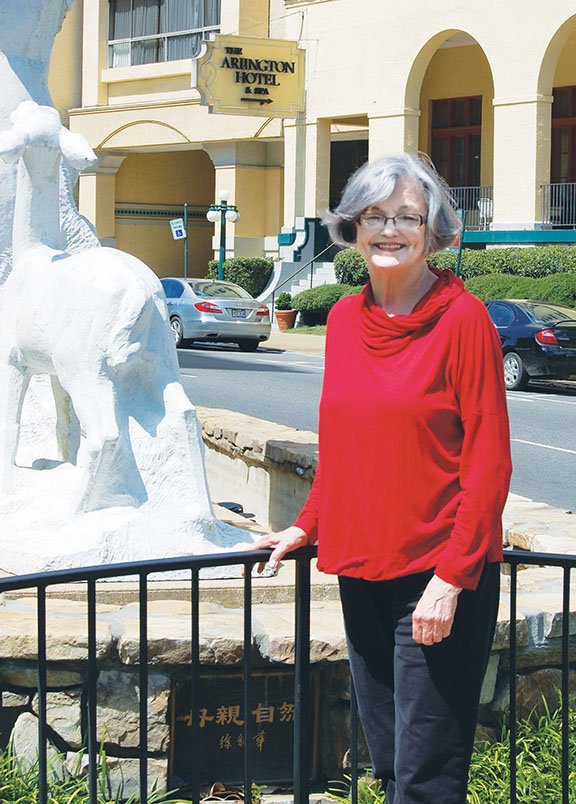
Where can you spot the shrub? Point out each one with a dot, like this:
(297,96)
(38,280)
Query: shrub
(559,288)
(556,288)
(350,267)
(283,301)
(496,286)
(19,784)
(443,259)
(537,261)
(539,767)
(315,304)
(251,273)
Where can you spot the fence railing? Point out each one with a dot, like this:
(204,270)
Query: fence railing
(296,272)
(559,205)
(477,202)
(155,48)
(302,687)
(566,563)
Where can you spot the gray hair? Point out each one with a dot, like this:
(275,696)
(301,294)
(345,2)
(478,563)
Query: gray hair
(375,182)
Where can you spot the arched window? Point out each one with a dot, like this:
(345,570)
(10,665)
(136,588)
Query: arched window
(563,167)
(149,31)
(456,137)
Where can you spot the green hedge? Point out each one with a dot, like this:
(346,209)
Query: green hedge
(536,261)
(251,273)
(350,267)
(315,304)
(557,288)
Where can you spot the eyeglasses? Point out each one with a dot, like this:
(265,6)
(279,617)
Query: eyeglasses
(401,222)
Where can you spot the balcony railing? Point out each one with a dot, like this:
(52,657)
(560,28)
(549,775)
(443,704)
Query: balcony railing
(559,205)
(158,47)
(302,688)
(476,202)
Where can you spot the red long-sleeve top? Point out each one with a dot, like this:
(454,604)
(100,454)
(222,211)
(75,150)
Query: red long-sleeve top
(414,440)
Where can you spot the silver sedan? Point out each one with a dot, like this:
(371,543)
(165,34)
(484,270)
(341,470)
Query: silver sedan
(213,311)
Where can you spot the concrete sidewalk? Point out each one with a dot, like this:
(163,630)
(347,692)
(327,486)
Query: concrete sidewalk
(291,341)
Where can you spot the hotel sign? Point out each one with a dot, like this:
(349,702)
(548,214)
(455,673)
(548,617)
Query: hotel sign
(240,75)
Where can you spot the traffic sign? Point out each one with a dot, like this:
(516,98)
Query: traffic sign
(178,229)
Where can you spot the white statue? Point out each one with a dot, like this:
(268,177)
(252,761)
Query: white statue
(96,323)
(27,32)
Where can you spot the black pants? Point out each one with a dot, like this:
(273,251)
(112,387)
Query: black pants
(418,705)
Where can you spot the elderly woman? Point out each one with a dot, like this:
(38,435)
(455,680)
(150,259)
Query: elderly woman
(413,475)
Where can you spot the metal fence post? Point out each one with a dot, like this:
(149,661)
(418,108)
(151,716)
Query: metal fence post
(302,683)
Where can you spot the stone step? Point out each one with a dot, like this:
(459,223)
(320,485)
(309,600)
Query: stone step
(323,275)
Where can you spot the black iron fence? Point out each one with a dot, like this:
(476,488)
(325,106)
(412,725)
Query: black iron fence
(477,203)
(566,563)
(559,205)
(302,687)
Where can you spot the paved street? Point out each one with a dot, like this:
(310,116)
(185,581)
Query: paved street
(544,445)
(277,386)
(284,386)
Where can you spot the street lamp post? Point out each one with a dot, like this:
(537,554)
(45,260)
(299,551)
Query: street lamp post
(223,212)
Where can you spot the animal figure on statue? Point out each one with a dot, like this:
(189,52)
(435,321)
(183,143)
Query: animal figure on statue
(95,321)
(135,486)
(27,32)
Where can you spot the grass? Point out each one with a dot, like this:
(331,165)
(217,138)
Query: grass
(538,768)
(538,773)
(19,785)
(319,329)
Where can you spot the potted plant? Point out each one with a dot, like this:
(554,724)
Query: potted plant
(285,314)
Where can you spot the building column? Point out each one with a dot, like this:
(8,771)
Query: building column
(97,197)
(94,52)
(522,143)
(392,133)
(317,169)
(306,169)
(251,173)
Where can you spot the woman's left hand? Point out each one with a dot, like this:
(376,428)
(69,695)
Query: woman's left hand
(434,614)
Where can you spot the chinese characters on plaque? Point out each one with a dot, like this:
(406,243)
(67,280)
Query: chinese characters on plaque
(221,727)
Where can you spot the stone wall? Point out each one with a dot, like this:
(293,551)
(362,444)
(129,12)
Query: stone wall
(538,627)
(280,459)
(267,467)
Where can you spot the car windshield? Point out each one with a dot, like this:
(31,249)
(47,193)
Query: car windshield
(548,314)
(219,290)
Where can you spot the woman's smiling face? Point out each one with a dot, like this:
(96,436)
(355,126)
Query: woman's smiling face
(390,247)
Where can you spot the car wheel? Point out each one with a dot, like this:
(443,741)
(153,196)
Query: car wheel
(248,345)
(515,375)
(177,331)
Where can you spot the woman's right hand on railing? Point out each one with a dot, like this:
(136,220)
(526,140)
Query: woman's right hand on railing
(285,541)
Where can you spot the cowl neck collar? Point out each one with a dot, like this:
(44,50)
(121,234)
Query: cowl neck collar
(389,335)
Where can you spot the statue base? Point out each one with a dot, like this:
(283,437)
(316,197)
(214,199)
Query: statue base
(42,530)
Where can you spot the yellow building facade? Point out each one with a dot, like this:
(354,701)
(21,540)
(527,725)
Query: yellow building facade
(487,90)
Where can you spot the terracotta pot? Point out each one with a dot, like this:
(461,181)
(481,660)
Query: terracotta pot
(286,318)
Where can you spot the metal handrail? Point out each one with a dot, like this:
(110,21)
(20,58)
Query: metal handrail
(161,37)
(142,569)
(302,601)
(559,205)
(477,201)
(302,267)
(164,35)
(566,563)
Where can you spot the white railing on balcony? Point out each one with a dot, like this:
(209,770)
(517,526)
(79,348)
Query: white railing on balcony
(158,47)
(477,203)
(559,205)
